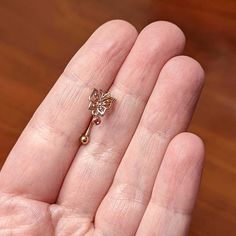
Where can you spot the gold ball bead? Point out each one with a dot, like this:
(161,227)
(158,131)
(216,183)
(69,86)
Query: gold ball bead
(84,139)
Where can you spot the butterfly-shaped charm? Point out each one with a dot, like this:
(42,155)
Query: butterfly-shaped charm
(99,102)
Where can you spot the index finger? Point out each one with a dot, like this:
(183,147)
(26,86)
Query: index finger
(40,159)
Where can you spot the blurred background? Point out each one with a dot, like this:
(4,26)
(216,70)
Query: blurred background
(37,39)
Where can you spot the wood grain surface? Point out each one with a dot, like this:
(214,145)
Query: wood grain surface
(37,38)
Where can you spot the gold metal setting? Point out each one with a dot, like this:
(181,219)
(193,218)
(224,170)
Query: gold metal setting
(99,103)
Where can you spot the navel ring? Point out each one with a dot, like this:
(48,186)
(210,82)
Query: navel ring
(99,103)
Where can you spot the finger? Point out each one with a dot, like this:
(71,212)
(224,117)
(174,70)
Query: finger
(167,113)
(95,165)
(39,161)
(174,194)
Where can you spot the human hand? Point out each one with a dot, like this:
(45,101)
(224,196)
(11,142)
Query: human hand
(139,174)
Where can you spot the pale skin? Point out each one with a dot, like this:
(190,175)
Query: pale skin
(140,173)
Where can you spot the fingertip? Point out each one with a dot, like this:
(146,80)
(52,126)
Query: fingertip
(119,30)
(167,33)
(119,24)
(184,64)
(109,44)
(188,145)
(186,71)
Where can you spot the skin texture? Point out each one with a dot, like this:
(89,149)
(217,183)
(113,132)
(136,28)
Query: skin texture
(140,173)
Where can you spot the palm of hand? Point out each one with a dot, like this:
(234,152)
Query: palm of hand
(140,173)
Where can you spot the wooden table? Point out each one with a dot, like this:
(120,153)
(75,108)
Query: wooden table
(37,38)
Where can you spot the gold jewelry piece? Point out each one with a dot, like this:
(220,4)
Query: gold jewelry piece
(99,103)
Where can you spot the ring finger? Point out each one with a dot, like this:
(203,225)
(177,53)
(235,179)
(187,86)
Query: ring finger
(167,113)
